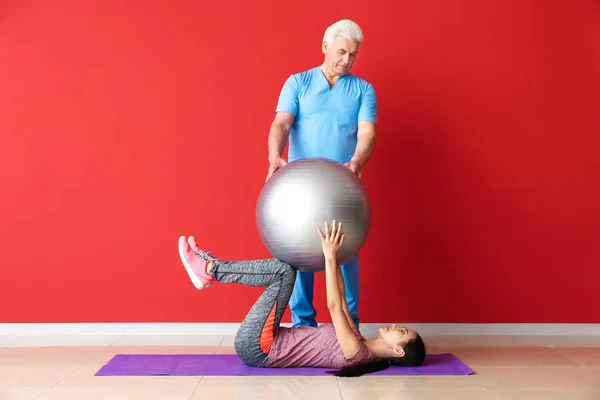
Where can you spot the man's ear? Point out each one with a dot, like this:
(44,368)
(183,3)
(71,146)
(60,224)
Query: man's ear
(324,47)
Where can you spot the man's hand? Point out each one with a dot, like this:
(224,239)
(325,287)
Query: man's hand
(354,167)
(274,165)
(364,147)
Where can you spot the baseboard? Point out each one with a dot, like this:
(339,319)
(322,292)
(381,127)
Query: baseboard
(368,329)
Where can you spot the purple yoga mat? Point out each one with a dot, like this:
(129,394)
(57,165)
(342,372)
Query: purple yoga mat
(231,365)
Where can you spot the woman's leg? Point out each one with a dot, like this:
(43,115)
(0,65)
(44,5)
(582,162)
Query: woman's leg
(257,332)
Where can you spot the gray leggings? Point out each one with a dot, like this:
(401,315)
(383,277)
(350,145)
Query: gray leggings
(257,331)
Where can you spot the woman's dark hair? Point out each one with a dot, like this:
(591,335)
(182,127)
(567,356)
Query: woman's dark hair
(414,355)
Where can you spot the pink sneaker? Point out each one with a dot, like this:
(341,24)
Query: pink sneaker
(195,261)
(192,241)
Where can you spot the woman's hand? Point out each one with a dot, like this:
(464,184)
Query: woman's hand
(332,240)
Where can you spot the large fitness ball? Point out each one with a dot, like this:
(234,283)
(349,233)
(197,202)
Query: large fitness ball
(299,198)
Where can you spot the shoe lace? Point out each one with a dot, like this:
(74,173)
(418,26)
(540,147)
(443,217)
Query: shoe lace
(205,255)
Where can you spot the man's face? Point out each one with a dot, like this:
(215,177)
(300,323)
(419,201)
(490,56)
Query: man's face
(340,56)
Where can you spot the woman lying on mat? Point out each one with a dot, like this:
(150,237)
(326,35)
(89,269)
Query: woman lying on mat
(261,342)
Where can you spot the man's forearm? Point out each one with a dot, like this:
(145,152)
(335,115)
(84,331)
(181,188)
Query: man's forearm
(364,148)
(278,136)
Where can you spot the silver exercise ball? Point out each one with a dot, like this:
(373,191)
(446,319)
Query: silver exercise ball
(301,197)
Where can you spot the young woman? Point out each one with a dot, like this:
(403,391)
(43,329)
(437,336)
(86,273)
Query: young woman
(261,342)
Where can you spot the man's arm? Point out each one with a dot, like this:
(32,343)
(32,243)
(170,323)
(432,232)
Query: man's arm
(287,109)
(367,124)
(278,135)
(365,144)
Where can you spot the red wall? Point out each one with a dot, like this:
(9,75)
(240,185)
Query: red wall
(126,124)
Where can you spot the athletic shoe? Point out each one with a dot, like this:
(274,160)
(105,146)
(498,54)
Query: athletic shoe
(195,262)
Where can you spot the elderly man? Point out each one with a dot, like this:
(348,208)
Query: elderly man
(326,112)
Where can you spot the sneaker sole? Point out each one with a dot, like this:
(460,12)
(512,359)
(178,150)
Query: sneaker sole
(182,245)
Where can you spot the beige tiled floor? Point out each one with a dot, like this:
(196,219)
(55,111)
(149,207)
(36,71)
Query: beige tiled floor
(506,367)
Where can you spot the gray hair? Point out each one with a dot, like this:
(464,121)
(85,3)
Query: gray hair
(346,29)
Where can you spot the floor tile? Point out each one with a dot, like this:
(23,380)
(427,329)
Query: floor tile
(119,393)
(515,340)
(20,393)
(584,355)
(49,356)
(511,356)
(506,367)
(545,394)
(567,378)
(108,353)
(170,340)
(407,383)
(62,340)
(34,376)
(84,377)
(282,387)
(226,350)
(423,394)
